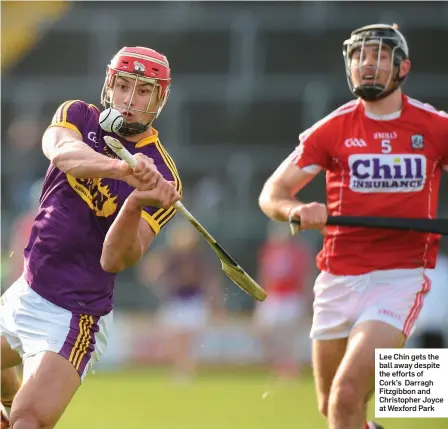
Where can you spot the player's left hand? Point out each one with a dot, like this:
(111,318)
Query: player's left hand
(312,216)
(145,174)
(164,195)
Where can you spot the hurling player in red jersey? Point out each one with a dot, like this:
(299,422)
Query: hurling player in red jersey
(286,272)
(96,217)
(383,153)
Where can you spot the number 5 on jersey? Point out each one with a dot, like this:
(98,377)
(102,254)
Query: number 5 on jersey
(386,146)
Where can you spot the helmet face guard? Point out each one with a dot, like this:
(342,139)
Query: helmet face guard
(385,37)
(138,65)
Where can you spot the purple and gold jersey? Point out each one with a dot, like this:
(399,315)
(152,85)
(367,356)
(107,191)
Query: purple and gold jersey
(62,259)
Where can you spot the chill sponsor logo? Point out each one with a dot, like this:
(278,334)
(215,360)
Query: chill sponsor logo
(387,173)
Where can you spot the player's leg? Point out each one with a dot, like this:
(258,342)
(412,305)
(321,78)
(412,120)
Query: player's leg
(353,383)
(10,384)
(9,357)
(281,324)
(10,381)
(182,319)
(11,346)
(287,331)
(57,348)
(301,344)
(393,302)
(177,340)
(285,341)
(11,349)
(330,330)
(49,383)
(183,359)
(265,320)
(327,355)
(55,375)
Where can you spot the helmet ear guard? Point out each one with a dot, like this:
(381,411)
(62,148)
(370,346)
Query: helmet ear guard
(382,34)
(138,64)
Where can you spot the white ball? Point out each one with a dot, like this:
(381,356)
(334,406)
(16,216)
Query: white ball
(111,120)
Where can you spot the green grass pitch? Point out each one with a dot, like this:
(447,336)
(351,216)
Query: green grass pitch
(149,399)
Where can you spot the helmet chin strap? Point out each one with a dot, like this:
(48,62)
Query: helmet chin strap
(133,128)
(373,93)
(377,92)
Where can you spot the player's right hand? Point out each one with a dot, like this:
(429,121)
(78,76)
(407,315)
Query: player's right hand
(164,195)
(145,174)
(312,216)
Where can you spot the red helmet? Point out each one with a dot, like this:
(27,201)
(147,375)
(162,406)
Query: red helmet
(141,64)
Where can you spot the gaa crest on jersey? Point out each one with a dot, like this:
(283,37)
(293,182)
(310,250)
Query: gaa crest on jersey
(387,173)
(417,141)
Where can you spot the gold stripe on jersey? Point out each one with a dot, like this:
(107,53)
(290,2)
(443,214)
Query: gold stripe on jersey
(168,159)
(61,113)
(85,324)
(65,125)
(152,223)
(84,345)
(65,109)
(167,216)
(60,117)
(170,164)
(162,216)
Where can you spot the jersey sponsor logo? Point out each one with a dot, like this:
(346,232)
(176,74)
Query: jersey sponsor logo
(387,173)
(386,136)
(96,194)
(355,143)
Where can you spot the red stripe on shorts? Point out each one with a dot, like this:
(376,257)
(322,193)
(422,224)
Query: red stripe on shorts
(418,304)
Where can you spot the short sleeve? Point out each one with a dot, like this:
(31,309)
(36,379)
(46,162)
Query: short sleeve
(312,150)
(73,115)
(156,217)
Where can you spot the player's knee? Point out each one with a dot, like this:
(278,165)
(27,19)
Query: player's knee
(24,419)
(344,395)
(27,418)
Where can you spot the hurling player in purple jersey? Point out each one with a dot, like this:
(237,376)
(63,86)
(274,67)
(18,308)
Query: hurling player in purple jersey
(96,218)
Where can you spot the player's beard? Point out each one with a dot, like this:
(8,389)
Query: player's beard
(375,89)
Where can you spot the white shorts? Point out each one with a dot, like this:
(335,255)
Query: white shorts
(32,325)
(391,296)
(279,310)
(184,314)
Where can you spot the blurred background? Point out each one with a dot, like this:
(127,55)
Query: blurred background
(248,77)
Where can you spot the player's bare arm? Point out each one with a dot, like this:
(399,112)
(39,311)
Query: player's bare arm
(66,150)
(277,199)
(130,236)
